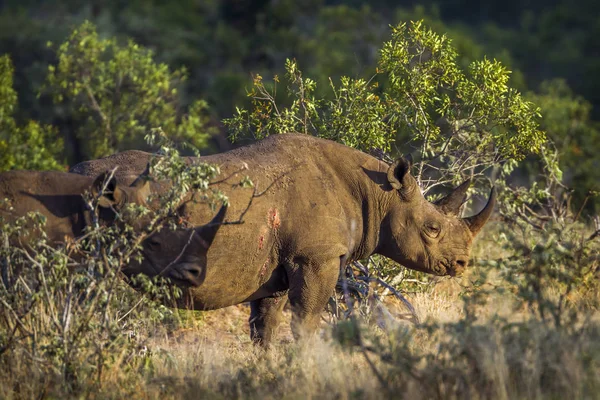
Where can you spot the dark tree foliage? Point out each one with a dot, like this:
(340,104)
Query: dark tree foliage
(222,43)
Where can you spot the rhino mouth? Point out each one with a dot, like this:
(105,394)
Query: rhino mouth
(187,275)
(180,282)
(448,270)
(439,269)
(442,269)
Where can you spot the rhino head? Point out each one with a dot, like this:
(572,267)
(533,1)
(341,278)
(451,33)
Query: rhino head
(424,236)
(178,255)
(112,197)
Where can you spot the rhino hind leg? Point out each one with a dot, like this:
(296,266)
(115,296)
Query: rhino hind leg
(265,318)
(311,286)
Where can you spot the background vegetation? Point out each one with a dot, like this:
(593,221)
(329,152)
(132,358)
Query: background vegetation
(550,48)
(506,98)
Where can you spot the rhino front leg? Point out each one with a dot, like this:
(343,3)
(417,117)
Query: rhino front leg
(311,286)
(265,317)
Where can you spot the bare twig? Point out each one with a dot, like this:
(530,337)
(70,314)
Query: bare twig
(347,298)
(234,173)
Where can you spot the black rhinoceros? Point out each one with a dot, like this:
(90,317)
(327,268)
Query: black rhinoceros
(58,196)
(317,205)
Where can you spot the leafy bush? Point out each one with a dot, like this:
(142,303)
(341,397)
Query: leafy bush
(567,119)
(31,146)
(468,120)
(117,93)
(66,314)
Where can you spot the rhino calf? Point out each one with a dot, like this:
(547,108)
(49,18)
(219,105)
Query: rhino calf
(58,196)
(317,206)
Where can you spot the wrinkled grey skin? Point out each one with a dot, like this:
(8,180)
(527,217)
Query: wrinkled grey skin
(58,197)
(321,205)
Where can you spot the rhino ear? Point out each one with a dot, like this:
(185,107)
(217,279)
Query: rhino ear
(108,193)
(207,232)
(399,177)
(141,185)
(451,204)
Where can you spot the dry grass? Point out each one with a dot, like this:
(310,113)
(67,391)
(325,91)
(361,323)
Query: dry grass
(444,357)
(215,359)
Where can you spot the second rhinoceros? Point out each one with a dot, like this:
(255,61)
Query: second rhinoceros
(59,198)
(317,205)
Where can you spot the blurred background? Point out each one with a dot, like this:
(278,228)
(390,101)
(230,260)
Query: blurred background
(551,47)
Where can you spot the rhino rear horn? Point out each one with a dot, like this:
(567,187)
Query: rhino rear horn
(450,205)
(399,177)
(476,222)
(208,232)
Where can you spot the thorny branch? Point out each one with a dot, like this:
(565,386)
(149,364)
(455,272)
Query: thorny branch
(597,232)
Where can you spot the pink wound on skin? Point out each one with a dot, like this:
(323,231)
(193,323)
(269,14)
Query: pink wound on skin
(273,219)
(263,269)
(261,237)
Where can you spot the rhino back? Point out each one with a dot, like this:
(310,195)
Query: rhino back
(131,163)
(55,195)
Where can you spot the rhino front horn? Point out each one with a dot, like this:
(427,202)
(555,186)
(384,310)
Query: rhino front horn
(476,222)
(450,205)
(208,232)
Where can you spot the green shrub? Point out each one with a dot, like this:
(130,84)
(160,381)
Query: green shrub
(31,146)
(117,93)
(66,314)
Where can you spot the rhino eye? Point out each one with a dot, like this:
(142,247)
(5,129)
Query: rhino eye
(432,229)
(153,244)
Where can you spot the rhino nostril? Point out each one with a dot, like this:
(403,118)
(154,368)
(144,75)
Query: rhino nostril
(193,270)
(461,263)
(192,273)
